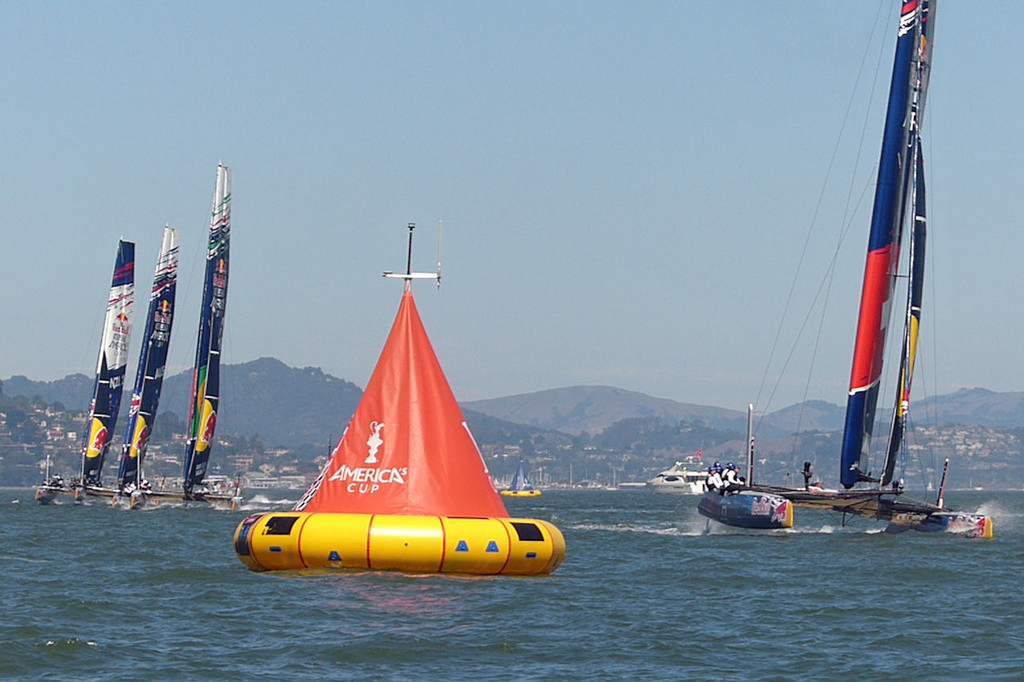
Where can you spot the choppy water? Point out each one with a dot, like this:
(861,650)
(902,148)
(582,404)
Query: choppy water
(97,593)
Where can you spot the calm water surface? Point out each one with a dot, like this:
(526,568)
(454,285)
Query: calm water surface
(95,593)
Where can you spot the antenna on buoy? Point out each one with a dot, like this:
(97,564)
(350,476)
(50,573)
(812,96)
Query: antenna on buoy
(440,229)
(409,274)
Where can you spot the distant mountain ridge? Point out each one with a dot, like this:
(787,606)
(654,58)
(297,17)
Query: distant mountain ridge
(74,390)
(591,409)
(288,406)
(977,406)
(282,404)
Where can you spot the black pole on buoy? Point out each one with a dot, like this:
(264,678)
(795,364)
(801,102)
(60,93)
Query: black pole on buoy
(408,260)
(409,274)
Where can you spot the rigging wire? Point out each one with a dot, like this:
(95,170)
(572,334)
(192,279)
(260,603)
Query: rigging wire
(930,406)
(827,278)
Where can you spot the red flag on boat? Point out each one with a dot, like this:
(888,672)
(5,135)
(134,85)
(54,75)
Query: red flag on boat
(407,449)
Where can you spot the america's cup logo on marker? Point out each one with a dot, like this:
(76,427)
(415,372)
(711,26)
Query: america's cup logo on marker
(370,479)
(374,442)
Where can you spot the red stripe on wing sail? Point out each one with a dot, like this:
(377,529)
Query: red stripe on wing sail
(873,320)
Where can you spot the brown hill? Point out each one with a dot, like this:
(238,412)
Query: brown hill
(591,409)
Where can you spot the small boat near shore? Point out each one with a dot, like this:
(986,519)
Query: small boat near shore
(52,487)
(520,486)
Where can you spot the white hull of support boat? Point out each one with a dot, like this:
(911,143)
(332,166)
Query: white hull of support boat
(679,479)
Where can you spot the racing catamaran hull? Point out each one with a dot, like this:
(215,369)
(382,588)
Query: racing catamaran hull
(747,509)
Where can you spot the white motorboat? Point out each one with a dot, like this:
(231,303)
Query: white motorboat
(679,479)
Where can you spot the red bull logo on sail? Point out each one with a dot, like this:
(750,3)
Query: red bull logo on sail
(209,425)
(141,439)
(122,325)
(99,439)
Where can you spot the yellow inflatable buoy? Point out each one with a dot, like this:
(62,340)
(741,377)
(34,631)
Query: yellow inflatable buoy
(416,544)
(405,489)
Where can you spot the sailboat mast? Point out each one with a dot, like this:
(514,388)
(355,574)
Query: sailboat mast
(940,500)
(912,324)
(750,444)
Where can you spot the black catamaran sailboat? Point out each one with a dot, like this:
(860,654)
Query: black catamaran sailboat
(205,397)
(110,373)
(899,200)
(150,373)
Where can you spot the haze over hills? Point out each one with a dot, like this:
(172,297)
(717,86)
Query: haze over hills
(286,406)
(977,406)
(265,397)
(591,409)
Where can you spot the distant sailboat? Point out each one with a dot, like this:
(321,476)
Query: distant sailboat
(53,486)
(406,487)
(205,398)
(110,371)
(899,200)
(520,486)
(150,373)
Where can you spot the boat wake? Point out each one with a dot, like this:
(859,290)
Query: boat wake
(71,643)
(23,559)
(1000,514)
(262,502)
(684,530)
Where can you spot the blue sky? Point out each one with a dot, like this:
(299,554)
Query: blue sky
(626,188)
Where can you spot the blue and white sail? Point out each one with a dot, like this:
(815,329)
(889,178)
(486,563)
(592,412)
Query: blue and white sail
(111,366)
(152,363)
(205,401)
